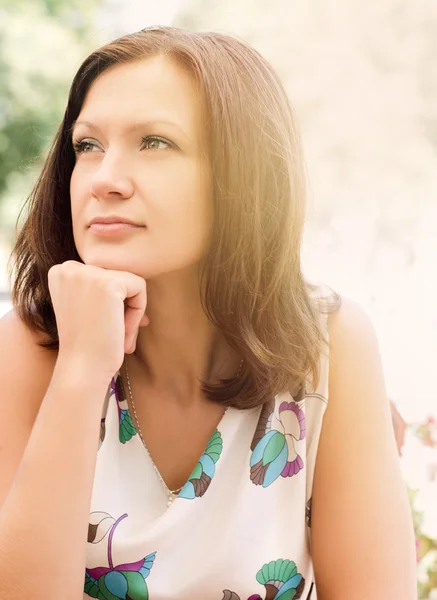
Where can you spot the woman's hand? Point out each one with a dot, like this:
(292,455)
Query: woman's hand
(98,314)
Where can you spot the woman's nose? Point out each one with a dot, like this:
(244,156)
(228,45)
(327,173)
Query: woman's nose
(111,180)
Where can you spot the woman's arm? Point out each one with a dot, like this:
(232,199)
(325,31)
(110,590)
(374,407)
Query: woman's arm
(362,534)
(46,467)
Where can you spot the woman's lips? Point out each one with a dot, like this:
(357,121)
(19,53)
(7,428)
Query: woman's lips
(113,228)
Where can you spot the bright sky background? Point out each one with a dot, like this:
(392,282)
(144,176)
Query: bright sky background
(133,15)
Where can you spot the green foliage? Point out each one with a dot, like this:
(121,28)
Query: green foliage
(42,44)
(426,545)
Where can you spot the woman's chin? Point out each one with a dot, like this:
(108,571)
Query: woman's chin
(113,263)
(120,261)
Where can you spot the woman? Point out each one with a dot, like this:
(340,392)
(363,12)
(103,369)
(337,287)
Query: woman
(159,301)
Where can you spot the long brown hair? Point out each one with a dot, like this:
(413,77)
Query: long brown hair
(252,285)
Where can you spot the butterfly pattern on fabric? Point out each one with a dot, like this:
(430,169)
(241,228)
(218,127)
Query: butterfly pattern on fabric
(275,442)
(280,579)
(110,393)
(127,428)
(308,512)
(120,582)
(102,431)
(200,479)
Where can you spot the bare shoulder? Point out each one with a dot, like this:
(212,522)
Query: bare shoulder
(349,323)
(355,360)
(22,359)
(26,370)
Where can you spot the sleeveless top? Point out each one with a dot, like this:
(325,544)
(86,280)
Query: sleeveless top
(240,527)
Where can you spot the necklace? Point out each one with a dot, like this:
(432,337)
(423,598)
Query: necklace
(171,494)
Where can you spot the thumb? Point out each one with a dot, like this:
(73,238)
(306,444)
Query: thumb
(144,321)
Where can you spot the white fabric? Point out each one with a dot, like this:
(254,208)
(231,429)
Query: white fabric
(236,541)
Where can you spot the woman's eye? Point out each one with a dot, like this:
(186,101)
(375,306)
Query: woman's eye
(82,146)
(153,142)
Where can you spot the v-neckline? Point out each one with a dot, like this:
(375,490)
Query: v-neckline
(145,449)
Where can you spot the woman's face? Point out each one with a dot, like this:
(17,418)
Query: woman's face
(140,155)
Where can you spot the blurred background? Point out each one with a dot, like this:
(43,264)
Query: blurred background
(363,80)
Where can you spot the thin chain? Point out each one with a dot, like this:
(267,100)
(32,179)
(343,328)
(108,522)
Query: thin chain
(171,494)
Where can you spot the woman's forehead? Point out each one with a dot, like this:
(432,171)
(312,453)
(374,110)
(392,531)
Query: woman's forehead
(152,91)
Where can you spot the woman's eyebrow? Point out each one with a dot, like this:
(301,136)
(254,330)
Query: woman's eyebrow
(138,125)
(88,124)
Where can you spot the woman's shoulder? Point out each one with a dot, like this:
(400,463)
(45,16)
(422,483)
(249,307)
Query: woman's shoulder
(348,332)
(11,324)
(23,361)
(353,350)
